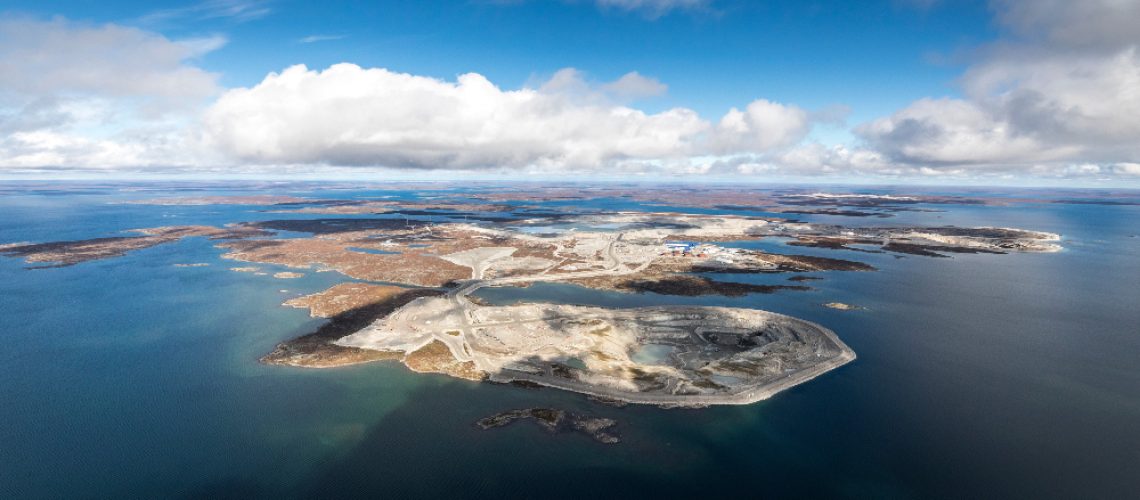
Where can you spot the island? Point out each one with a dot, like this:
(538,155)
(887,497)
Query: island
(415,269)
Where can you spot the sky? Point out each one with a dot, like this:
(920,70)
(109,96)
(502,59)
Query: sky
(999,92)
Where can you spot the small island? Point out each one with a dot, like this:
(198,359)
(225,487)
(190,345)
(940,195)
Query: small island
(556,421)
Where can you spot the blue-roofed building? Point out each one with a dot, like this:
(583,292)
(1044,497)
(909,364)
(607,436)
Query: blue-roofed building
(680,246)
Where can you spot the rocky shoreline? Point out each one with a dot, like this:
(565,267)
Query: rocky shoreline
(318,350)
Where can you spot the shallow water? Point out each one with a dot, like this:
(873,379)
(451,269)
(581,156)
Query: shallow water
(978,376)
(653,354)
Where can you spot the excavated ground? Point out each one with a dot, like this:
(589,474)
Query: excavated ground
(675,356)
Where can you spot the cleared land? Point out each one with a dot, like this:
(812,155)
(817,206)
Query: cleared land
(676,356)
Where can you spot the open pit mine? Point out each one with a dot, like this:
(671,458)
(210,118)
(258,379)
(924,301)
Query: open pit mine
(411,295)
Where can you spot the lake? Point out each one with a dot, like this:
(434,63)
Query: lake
(978,376)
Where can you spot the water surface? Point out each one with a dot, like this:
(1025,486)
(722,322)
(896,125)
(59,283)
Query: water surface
(978,376)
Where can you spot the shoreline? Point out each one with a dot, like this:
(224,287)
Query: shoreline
(754,394)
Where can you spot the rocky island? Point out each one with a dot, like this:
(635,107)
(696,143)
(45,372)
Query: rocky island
(555,421)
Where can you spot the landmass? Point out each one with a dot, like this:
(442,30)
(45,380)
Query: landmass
(556,421)
(318,349)
(676,356)
(842,306)
(220,200)
(66,253)
(925,241)
(682,284)
(415,268)
(345,297)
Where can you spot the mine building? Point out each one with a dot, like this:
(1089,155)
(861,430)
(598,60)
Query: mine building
(680,247)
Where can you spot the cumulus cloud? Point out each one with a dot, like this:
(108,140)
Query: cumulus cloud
(59,57)
(85,96)
(1127,169)
(348,115)
(1086,99)
(954,132)
(1058,96)
(816,158)
(804,160)
(1064,91)
(42,148)
(82,95)
(1068,24)
(633,85)
(762,125)
(572,83)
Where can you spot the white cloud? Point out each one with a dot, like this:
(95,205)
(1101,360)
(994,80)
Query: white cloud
(763,125)
(108,96)
(204,45)
(46,148)
(1127,169)
(1058,96)
(321,38)
(808,160)
(1089,99)
(85,95)
(55,57)
(1053,99)
(1072,24)
(653,8)
(953,132)
(572,83)
(348,115)
(815,158)
(233,10)
(633,85)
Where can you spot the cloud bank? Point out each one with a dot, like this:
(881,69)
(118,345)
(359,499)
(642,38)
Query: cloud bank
(83,96)
(1057,97)
(348,115)
(1063,91)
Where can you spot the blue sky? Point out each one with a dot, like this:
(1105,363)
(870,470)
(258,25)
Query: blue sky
(881,55)
(898,88)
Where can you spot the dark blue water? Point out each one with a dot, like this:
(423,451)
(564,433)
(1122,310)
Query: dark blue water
(978,376)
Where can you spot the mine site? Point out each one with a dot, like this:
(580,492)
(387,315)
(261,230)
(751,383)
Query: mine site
(570,249)
(415,267)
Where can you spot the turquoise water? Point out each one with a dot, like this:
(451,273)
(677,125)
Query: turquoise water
(978,376)
(653,354)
